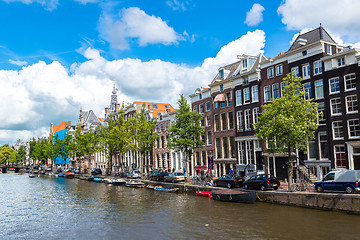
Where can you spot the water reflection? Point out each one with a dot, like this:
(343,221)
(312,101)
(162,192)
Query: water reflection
(57,208)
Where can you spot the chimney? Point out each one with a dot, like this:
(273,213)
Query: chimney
(117,107)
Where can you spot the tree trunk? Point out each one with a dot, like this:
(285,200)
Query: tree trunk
(290,169)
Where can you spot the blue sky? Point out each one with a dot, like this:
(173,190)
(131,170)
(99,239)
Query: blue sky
(57,56)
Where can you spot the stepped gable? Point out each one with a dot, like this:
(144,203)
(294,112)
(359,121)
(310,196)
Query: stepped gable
(312,36)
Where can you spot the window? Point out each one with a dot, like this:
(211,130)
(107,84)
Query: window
(270,72)
(231,121)
(312,150)
(350,82)
(223,121)
(306,71)
(247,113)
(209,138)
(341,61)
(246,95)
(223,104)
(276,91)
(238,98)
(255,93)
(354,128)
(216,122)
(201,108)
(340,156)
(202,122)
(321,111)
(307,88)
(328,49)
(218,148)
(295,71)
(317,67)
(257,145)
(225,147)
(267,95)
(216,105)
(221,74)
(246,80)
(324,153)
(351,104)
(162,127)
(255,115)
(335,106)
(200,96)
(249,152)
(334,85)
(283,84)
(207,106)
(244,63)
(229,99)
(155,106)
(195,108)
(208,123)
(232,146)
(241,152)
(221,87)
(279,70)
(239,121)
(338,132)
(319,89)
(304,53)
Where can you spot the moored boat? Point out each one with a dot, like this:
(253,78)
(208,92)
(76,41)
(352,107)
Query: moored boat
(90,178)
(204,194)
(228,195)
(69,175)
(108,180)
(97,179)
(135,184)
(61,175)
(31,175)
(161,188)
(121,182)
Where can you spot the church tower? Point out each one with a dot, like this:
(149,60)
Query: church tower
(113,100)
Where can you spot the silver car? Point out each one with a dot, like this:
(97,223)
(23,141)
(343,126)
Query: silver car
(175,177)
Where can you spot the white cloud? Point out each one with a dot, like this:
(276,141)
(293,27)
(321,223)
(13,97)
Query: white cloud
(177,4)
(87,1)
(47,4)
(339,17)
(133,23)
(40,94)
(254,16)
(18,62)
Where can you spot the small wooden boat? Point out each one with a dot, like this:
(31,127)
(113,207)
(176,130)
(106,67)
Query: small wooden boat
(69,175)
(150,187)
(108,180)
(61,175)
(97,179)
(31,176)
(204,194)
(90,178)
(228,195)
(161,188)
(135,184)
(121,182)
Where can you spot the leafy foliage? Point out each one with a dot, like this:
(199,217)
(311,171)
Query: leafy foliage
(7,154)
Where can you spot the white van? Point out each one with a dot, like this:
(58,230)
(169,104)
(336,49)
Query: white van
(341,180)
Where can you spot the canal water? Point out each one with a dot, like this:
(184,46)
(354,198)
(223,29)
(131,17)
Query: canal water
(58,208)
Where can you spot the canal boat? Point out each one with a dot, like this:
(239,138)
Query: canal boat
(90,178)
(31,175)
(61,175)
(97,179)
(69,175)
(108,180)
(204,194)
(228,195)
(135,184)
(121,182)
(150,187)
(161,188)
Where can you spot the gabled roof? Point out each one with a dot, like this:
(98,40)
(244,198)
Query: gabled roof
(311,37)
(231,68)
(156,107)
(57,128)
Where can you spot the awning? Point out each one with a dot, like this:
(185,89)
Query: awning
(219,98)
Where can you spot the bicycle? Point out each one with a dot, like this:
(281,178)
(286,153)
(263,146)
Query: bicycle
(301,186)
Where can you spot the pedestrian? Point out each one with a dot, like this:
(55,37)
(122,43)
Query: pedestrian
(231,172)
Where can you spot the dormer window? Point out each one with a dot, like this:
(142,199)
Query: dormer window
(341,61)
(200,96)
(244,63)
(221,74)
(328,49)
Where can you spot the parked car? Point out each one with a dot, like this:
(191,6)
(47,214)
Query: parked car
(96,171)
(229,181)
(48,169)
(133,174)
(158,176)
(263,182)
(342,180)
(175,177)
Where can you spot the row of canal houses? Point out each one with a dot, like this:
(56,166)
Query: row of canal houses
(231,104)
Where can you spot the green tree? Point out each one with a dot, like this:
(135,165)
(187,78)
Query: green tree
(289,122)
(185,131)
(49,150)
(7,154)
(143,137)
(61,147)
(21,155)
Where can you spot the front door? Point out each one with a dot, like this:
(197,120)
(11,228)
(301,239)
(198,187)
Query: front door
(356,162)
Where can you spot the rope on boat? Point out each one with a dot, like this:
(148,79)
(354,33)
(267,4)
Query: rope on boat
(260,199)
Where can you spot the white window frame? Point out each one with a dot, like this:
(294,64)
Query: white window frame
(344,152)
(354,103)
(305,71)
(351,79)
(269,88)
(247,118)
(246,92)
(349,131)
(323,111)
(241,152)
(255,93)
(341,128)
(282,86)
(270,72)
(332,83)
(206,104)
(307,90)
(316,87)
(255,116)
(279,69)
(201,106)
(337,103)
(341,61)
(238,96)
(296,69)
(208,140)
(326,144)
(278,89)
(239,121)
(318,67)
